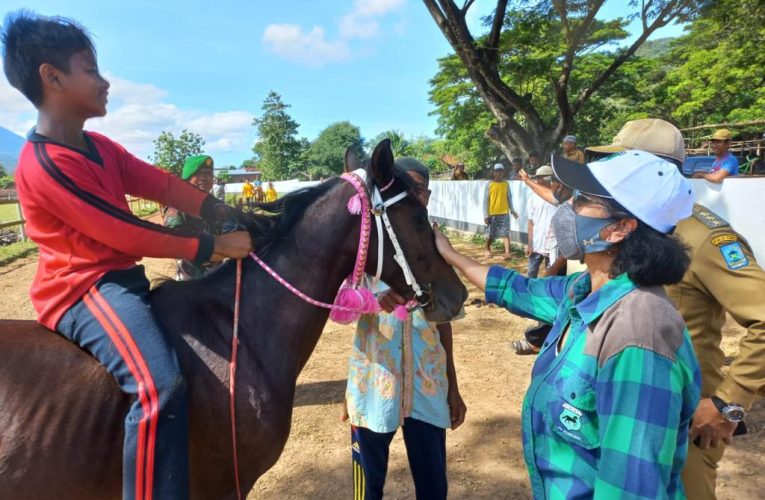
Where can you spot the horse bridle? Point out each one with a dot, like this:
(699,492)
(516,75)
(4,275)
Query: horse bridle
(379,210)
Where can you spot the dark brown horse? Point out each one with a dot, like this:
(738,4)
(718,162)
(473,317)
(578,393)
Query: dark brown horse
(61,414)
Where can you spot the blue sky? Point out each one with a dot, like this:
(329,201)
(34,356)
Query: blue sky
(207,66)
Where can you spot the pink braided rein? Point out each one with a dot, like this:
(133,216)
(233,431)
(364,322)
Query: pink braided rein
(361,256)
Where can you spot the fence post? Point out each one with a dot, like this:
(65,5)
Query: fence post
(19,213)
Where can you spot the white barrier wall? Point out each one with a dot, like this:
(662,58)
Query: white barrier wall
(459,204)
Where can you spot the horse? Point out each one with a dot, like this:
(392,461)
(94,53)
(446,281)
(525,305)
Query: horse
(61,414)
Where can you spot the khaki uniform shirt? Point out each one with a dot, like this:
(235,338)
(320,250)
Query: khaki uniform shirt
(576,155)
(723,276)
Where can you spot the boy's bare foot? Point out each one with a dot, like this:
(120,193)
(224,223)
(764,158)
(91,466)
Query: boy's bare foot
(489,254)
(507,256)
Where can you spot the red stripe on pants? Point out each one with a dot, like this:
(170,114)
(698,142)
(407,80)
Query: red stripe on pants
(147,394)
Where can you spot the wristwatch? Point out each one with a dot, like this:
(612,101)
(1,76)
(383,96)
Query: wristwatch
(731,411)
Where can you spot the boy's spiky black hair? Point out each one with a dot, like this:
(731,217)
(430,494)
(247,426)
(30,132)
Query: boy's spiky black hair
(30,40)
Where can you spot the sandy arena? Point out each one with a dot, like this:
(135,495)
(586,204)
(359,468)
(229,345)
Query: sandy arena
(484,455)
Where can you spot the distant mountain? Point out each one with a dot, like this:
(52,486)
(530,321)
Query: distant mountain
(655,49)
(10,147)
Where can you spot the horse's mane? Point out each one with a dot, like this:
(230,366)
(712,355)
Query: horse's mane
(278,217)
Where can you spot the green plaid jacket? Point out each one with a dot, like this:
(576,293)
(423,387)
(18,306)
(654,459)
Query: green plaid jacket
(607,415)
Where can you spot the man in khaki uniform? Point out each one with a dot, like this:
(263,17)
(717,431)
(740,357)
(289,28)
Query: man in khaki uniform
(723,276)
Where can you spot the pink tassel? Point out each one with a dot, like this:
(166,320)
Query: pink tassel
(361,300)
(354,204)
(400,312)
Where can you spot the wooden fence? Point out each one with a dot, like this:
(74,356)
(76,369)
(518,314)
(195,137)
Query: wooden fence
(19,222)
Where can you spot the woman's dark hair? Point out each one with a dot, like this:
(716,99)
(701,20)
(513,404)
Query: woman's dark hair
(651,258)
(30,40)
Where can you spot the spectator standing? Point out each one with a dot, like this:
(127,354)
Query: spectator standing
(542,246)
(533,164)
(198,170)
(271,194)
(401,374)
(497,208)
(248,192)
(220,190)
(259,195)
(459,173)
(515,172)
(570,151)
(725,164)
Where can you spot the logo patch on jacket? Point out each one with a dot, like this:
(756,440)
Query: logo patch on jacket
(570,417)
(734,255)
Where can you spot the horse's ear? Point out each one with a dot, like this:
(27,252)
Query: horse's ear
(381,165)
(351,161)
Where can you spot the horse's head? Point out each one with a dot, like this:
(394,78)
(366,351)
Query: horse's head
(442,293)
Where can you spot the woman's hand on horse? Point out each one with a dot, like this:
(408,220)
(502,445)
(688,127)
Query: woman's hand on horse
(443,245)
(236,245)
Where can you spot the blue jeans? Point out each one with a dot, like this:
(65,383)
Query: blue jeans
(425,449)
(114,323)
(535,260)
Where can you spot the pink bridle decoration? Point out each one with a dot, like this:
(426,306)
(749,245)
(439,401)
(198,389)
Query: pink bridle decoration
(352,299)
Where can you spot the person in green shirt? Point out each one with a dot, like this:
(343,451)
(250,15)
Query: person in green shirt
(616,382)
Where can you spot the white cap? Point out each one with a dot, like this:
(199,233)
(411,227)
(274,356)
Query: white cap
(650,188)
(543,171)
(499,166)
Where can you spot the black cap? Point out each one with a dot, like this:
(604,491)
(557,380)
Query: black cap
(578,176)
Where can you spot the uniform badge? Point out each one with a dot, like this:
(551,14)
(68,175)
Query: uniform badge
(570,417)
(724,238)
(734,255)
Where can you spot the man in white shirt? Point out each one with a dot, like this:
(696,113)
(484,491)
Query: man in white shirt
(542,246)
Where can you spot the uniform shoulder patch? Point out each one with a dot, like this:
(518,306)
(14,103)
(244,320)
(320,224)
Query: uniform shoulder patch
(723,239)
(708,217)
(734,255)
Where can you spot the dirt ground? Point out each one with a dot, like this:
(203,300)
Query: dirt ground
(484,455)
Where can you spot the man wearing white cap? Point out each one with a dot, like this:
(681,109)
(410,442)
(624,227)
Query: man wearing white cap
(615,384)
(497,207)
(723,277)
(570,151)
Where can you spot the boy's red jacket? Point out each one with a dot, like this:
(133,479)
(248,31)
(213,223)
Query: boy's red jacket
(75,210)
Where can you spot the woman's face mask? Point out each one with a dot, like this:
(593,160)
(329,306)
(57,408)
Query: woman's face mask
(577,234)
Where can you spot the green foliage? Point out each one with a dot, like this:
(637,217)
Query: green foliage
(3,173)
(224,176)
(170,152)
(398,143)
(278,151)
(326,153)
(6,181)
(718,67)
(14,251)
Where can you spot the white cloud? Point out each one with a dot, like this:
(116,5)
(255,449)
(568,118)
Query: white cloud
(312,47)
(376,7)
(137,114)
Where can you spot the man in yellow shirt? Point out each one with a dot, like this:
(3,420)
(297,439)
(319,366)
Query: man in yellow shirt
(247,193)
(497,207)
(271,194)
(570,151)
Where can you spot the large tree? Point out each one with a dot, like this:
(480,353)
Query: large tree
(326,153)
(568,31)
(170,152)
(278,150)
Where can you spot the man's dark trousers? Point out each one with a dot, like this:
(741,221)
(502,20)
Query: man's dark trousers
(425,449)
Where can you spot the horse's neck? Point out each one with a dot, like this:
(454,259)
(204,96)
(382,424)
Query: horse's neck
(315,258)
